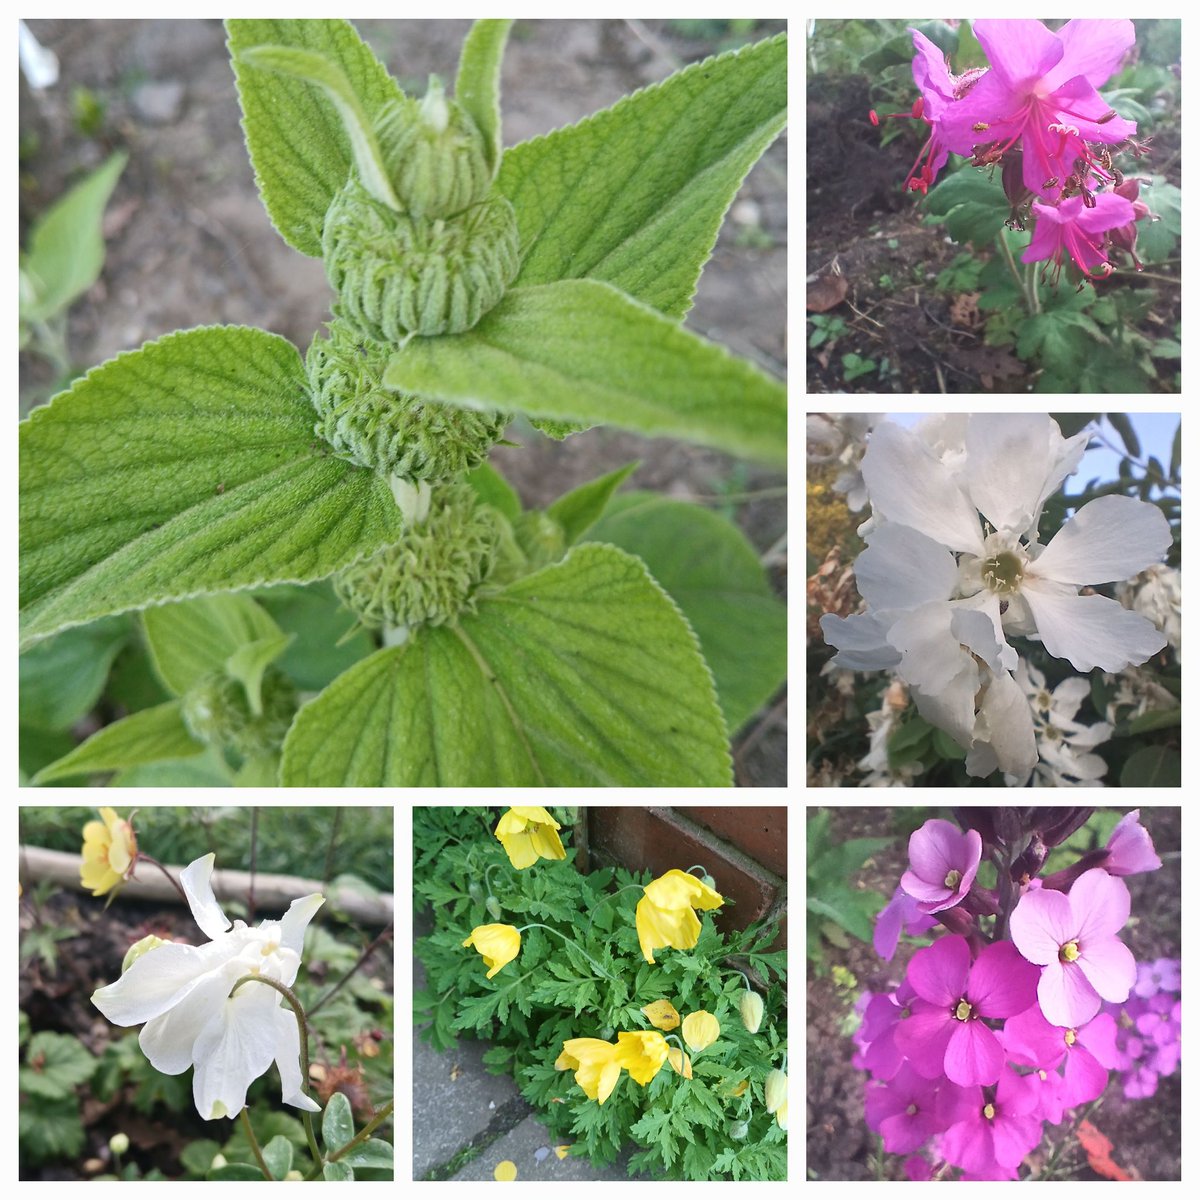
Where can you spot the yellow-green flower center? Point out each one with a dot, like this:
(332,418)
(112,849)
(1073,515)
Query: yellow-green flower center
(989,1111)
(963,1011)
(911,1110)
(953,878)
(1069,1037)
(1002,573)
(1069,952)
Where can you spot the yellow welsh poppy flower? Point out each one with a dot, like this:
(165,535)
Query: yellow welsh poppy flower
(775,1089)
(674,1054)
(781,1115)
(109,851)
(594,1063)
(528,833)
(664,914)
(498,944)
(662,1014)
(700,1030)
(641,1053)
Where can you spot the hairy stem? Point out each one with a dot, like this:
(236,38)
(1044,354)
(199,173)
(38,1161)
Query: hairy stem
(170,878)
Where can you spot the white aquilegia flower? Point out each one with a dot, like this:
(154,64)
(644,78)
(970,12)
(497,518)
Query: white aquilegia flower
(182,994)
(953,568)
(1064,744)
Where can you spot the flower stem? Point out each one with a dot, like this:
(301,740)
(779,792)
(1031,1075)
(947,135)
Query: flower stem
(569,941)
(362,958)
(302,1025)
(360,1137)
(171,878)
(629,887)
(1023,284)
(244,1115)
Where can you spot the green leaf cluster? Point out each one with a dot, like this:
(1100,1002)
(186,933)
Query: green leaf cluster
(53,1065)
(551,993)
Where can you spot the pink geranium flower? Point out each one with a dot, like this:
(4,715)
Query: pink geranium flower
(946,1033)
(1072,230)
(1041,93)
(995,1134)
(1130,850)
(1073,938)
(944,863)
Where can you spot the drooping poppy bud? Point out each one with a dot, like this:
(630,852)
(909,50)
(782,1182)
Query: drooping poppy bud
(751,1009)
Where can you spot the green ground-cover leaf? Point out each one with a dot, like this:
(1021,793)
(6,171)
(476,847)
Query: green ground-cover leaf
(298,144)
(583,351)
(185,467)
(148,736)
(62,677)
(66,246)
(337,1122)
(712,572)
(582,673)
(634,195)
(477,86)
(55,1064)
(972,206)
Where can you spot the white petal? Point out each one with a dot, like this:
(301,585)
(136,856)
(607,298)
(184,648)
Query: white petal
(1005,724)
(1065,454)
(1069,695)
(235,1047)
(196,878)
(978,626)
(1090,631)
(1008,459)
(287,1059)
(295,921)
(861,641)
(168,1041)
(942,674)
(1111,538)
(157,981)
(907,484)
(901,568)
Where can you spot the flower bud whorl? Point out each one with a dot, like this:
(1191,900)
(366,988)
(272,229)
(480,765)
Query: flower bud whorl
(775,1090)
(493,907)
(396,274)
(738,1130)
(216,710)
(395,434)
(119,1143)
(433,572)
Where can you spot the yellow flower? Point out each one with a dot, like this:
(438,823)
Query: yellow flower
(641,1053)
(775,1091)
(527,834)
(499,945)
(739,1088)
(505,1171)
(109,851)
(751,1010)
(781,1115)
(664,914)
(700,1030)
(674,1054)
(594,1063)
(662,1014)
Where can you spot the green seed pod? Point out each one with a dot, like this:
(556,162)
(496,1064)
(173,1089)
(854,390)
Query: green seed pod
(396,274)
(392,433)
(434,155)
(751,1009)
(493,907)
(217,711)
(433,572)
(738,1130)
(775,1089)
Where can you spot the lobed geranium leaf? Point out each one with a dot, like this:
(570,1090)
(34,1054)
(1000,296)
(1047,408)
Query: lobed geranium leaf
(298,145)
(583,673)
(477,87)
(583,351)
(185,467)
(712,572)
(635,194)
(152,735)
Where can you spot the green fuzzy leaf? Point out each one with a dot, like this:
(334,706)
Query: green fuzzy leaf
(583,351)
(712,572)
(277,1154)
(152,735)
(972,206)
(199,770)
(236,1172)
(635,195)
(337,1122)
(262,771)
(580,509)
(194,638)
(62,678)
(66,246)
(187,466)
(583,673)
(492,488)
(55,1064)
(248,663)
(1152,766)
(298,145)
(373,1153)
(477,87)
(338,1172)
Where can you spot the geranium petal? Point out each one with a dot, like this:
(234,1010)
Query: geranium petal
(196,879)
(1111,538)
(1092,48)
(1090,631)
(1020,50)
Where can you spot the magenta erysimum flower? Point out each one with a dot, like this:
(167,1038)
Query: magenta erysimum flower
(910,1109)
(1130,850)
(1161,975)
(881,1056)
(1041,93)
(945,1032)
(944,862)
(900,912)
(997,1132)
(1071,230)
(1072,937)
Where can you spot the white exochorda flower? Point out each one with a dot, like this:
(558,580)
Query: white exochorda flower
(1064,744)
(953,566)
(182,994)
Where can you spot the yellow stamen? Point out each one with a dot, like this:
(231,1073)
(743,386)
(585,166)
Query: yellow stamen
(963,1011)
(989,1111)
(1069,952)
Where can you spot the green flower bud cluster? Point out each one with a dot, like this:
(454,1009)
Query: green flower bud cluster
(433,573)
(395,434)
(217,710)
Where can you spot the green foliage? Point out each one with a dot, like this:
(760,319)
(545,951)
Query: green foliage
(825,329)
(854,366)
(53,1065)
(552,993)
(971,204)
(833,903)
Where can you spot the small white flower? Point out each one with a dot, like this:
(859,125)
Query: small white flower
(1157,593)
(1064,744)
(182,994)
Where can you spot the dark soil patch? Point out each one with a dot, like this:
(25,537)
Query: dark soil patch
(1146,1134)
